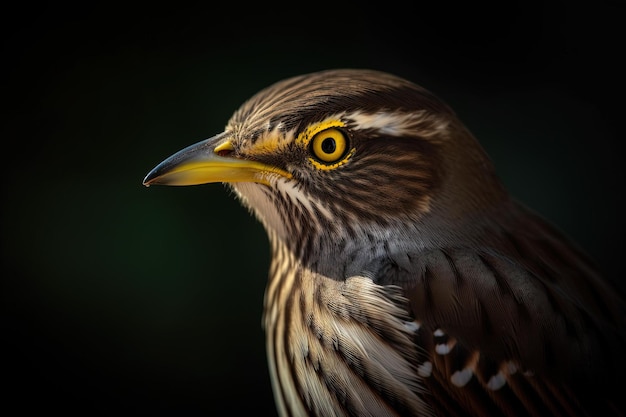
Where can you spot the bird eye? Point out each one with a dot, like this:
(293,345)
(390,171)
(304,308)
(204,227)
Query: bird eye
(329,145)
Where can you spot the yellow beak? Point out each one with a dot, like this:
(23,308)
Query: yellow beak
(210,161)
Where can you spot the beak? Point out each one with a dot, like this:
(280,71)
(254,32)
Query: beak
(210,161)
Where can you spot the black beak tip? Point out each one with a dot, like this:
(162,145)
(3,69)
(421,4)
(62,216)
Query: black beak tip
(151,177)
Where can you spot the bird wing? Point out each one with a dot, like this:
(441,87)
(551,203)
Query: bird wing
(500,321)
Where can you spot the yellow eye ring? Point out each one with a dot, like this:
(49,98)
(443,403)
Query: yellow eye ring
(329,145)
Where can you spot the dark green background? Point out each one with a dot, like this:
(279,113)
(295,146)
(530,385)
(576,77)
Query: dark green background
(123,300)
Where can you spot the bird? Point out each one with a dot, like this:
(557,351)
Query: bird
(404,278)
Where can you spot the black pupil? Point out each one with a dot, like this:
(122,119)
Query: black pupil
(329,145)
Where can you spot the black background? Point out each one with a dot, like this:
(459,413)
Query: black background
(123,300)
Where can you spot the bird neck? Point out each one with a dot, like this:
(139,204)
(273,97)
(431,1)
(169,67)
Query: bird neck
(340,247)
(358,250)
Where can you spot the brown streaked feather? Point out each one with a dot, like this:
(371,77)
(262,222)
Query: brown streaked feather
(297,101)
(534,303)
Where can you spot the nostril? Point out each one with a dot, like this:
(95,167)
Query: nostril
(224,152)
(224,149)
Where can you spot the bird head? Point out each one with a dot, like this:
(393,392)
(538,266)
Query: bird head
(334,152)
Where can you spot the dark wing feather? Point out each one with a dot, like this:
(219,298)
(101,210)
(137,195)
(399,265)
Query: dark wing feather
(518,324)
